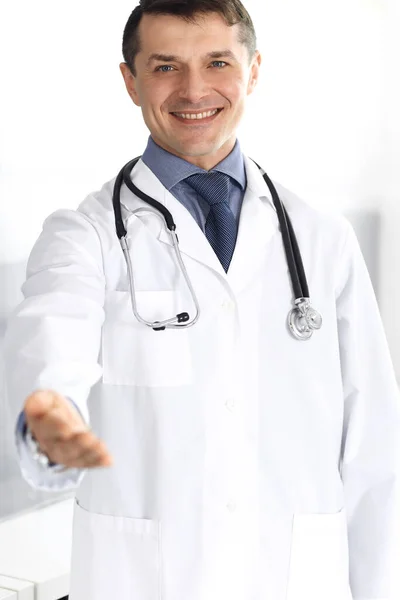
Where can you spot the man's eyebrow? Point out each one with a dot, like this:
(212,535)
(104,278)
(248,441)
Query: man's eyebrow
(172,57)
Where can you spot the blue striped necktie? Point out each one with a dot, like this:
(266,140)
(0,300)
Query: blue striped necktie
(221,227)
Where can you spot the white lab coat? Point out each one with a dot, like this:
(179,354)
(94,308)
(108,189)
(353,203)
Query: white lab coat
(247,465)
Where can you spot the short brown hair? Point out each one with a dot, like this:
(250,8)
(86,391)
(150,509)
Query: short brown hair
(233,12)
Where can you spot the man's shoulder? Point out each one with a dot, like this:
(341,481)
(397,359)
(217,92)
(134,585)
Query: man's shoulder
(97,205)
(311,216)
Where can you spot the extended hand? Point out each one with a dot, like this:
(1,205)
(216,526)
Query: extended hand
(61,432)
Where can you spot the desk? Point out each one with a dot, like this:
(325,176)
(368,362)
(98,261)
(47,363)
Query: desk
(35,553)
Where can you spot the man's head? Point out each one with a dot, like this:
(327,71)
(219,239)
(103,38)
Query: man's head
(191,56)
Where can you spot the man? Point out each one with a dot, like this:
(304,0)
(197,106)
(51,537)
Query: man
(242,463)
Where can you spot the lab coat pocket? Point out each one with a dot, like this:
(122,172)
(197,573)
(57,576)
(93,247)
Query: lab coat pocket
(114,557)
(319,558)
(134,354)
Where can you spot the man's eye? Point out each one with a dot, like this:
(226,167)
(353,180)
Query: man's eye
(219,62)
(164,67)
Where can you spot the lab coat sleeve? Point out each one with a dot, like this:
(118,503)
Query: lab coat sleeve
(52,339)
(370,463)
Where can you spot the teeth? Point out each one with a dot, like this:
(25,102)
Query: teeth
(198,116)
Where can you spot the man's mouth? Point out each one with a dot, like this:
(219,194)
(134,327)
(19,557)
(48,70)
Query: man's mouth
(196,118)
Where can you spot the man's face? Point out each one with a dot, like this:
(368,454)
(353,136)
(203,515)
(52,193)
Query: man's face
(200,67)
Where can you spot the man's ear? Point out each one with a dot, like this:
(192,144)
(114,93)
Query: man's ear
(254,72)
(130,82)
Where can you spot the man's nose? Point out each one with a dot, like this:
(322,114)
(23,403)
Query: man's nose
(193,86)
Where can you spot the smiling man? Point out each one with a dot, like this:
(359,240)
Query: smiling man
(252,457)
(191,76)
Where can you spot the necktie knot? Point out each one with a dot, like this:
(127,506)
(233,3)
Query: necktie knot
(212,186)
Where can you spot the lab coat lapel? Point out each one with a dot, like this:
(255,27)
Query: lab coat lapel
(257,224)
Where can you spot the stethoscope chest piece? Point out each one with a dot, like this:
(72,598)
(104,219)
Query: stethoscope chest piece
(304,320)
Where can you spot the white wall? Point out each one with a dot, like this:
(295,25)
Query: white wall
(323,121)
(320,101)
(390,247)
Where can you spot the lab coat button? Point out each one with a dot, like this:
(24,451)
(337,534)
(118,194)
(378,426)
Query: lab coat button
(227,306)
(231,506)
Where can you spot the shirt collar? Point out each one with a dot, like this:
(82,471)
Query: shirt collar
(171,169)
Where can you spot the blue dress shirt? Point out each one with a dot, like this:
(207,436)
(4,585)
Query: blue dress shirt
(172,171)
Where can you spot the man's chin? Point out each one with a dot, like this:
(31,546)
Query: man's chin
(190,148)
(195,148)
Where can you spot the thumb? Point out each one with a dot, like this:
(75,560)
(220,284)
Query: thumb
(40,402)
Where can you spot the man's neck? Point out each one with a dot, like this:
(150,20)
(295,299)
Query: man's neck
(206,162)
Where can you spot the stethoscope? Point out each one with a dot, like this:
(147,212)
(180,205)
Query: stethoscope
(302,319)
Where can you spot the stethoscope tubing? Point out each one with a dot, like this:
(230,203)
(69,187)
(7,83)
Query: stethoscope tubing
(302,320)
(293,256)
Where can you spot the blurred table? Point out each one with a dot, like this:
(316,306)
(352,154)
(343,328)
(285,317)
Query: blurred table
(35,553)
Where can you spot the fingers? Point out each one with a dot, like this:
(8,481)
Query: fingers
(55,426)
(83,450)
